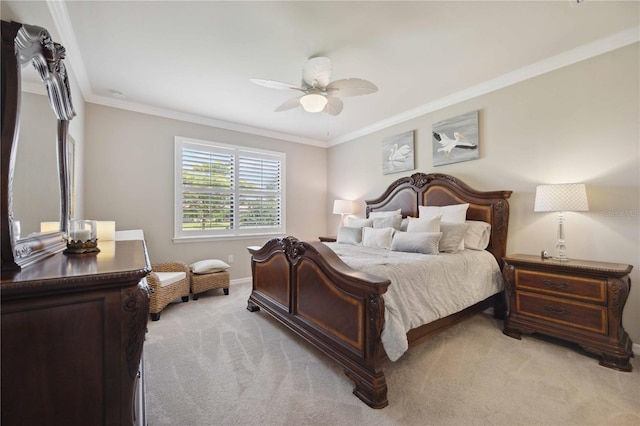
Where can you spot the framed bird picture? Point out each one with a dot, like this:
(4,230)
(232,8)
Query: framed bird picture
(456,139)
(397,153)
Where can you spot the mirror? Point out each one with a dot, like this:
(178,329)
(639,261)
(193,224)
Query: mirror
(35,185)
(27,45)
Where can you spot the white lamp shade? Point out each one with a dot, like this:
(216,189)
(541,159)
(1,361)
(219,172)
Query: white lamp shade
(313,102)
(106,230)
(343,207)
(569,197)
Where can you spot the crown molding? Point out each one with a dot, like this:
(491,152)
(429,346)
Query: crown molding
(198,119)
(598,47)
(62,22)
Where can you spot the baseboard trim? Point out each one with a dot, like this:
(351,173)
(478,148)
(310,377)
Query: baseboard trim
(240,281)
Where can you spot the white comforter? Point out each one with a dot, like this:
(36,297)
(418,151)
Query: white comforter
(423,287)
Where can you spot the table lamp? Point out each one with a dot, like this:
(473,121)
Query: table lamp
(343,208)
(569,197)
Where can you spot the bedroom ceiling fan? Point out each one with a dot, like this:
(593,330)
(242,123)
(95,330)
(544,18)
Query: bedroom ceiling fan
(318,92)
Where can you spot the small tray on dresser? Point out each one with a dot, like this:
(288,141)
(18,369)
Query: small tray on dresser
(577,300)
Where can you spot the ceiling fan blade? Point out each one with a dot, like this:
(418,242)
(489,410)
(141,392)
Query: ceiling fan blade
(275,84)
(351,87)
(334,105)
(290,104)
(317,70)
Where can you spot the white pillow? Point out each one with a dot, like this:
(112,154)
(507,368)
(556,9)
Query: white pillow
(208,266)
(385,213)
(452,236)
(456,213)
(416,242)
(424,225)
(477,235)
(355,222)
(405,223)
(387,222)
(348,235)
(377,237)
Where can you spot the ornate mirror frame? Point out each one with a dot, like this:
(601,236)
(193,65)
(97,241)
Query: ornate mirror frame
(23,44)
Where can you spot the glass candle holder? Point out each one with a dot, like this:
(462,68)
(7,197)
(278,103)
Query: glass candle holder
(82,237)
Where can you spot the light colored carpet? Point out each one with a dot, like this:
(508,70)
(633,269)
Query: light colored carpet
(212,362)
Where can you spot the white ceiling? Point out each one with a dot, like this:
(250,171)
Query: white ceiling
(193,60)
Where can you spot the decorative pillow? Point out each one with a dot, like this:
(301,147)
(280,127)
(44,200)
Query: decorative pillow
(478,235)
(452,236)
(385,213)
(377,237)
(349,235)
(424,225)
(354,222)
(456,213)
(405,223)
(387,222)
(416,242)
(208,266)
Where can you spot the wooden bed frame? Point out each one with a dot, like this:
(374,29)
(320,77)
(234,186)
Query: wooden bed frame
(340,310)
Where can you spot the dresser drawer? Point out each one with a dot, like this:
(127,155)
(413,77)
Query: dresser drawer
(587,289)
(592,318)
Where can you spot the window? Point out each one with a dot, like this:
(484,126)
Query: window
(227,191)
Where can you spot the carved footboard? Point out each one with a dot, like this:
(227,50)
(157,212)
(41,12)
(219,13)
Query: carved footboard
(334,307)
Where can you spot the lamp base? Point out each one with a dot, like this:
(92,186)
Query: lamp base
(560,258)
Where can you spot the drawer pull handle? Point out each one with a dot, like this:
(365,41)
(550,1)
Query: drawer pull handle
(557,311)
(553,285)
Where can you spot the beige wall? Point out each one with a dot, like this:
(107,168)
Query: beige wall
(129,178)
(576,124)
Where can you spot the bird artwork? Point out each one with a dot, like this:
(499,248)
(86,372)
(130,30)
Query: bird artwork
(397,153)
(456,139)
(449,144)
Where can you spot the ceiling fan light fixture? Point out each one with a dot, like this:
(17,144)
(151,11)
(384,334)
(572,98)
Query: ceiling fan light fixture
(313,102)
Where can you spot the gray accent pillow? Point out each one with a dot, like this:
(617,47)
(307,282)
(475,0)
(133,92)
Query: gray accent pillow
(416,242)
(349,235)
(387,222)
(452,236)
(355,222)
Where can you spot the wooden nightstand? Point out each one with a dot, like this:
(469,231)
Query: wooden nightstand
(578,300)
(328,239)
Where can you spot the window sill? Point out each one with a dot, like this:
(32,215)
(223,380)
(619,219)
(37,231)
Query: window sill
(210,238)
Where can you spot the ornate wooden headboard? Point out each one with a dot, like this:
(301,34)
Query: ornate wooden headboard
(436,189)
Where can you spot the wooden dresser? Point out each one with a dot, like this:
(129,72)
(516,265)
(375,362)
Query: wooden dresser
(73,329)
(578,300)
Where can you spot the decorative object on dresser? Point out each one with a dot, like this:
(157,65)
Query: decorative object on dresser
(569,197)
(577,300)
(341,310)
(22,45)
(72,334)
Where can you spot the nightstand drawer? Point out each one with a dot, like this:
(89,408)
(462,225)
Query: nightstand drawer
(592,318)
(587,289)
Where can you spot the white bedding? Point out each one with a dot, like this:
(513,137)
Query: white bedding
(423,287)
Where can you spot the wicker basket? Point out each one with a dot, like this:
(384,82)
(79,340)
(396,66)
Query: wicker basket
(205,282)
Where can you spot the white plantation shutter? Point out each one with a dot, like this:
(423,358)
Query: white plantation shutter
(225,190)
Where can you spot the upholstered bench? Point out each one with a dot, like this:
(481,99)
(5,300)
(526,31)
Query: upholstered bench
(208,275)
